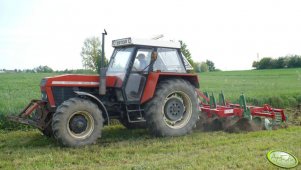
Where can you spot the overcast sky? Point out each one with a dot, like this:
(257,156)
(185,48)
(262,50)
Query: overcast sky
(229,33)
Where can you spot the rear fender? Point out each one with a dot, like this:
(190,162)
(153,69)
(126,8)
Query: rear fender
(95,100)
(155,77)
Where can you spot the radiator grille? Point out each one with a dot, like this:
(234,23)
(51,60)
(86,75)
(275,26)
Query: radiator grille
(62,94)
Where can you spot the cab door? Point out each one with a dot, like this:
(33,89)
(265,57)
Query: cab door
(138,74)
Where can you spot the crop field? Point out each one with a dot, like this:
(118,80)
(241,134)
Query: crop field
(280,87)
(119,148)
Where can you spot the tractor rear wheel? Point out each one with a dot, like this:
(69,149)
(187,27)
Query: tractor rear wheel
(173,111)
(77,122)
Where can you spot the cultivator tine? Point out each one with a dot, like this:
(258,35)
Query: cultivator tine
(221,99)
(239,117)
(206,94)
(203,96)
(212,101)
(243,105)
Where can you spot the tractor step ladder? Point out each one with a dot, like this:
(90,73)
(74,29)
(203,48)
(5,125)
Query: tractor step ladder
(140,117)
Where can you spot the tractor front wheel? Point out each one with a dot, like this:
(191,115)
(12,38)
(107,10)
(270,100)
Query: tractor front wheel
(77,122)
(173,111)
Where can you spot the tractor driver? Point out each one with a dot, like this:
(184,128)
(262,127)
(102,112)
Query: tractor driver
(142,61)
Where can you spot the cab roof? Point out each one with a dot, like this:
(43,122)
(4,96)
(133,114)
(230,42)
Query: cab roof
(145,42)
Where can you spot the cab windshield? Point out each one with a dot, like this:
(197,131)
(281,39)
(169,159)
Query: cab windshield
(120,60)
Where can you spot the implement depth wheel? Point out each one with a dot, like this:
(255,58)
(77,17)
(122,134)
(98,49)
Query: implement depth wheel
(174,110)
(77,122)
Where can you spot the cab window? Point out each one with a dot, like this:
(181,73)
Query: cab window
(168,61)
(142,60)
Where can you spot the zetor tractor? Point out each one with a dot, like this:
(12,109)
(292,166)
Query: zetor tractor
(146,85)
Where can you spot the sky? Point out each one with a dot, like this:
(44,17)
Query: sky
(231,33)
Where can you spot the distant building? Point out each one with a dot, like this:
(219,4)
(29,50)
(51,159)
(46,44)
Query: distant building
(9,71)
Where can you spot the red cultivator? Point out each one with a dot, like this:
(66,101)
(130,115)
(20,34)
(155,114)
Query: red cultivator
(234,117)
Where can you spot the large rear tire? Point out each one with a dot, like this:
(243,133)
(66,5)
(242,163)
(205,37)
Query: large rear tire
(77,122)
(173,111)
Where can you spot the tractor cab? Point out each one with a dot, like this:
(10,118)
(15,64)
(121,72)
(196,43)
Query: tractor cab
(133,60)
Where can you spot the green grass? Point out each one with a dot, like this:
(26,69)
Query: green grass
(125,149)
(281,88)
(17,89)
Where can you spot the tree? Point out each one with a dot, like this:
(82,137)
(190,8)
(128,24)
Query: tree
(294,61)
(265,63)
(43,69)
(186,53)
(204,67)
(280,63)
(200,67)
(197,67)
(210,65)
(91,54)
(255,64)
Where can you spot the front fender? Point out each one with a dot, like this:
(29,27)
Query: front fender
(97,101)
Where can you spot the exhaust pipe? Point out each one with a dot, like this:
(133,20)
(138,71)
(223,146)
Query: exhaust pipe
(103,70)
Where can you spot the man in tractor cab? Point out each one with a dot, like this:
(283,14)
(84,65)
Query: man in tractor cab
(142,61)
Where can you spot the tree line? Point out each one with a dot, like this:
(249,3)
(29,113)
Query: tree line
(47,69)
(289,61)
(39,69)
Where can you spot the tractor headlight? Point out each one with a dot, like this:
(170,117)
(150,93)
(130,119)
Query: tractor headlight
(43,82)
(44,95)
(119,95)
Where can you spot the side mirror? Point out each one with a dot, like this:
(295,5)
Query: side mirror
(154,56)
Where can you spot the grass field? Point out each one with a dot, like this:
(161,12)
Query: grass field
(16,90)
(281,87)
(135,149)
(120,148)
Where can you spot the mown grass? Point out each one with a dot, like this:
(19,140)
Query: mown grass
(135,149)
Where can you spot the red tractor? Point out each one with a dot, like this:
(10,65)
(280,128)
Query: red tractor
(146,85)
